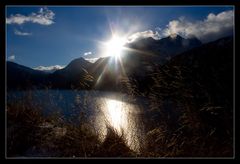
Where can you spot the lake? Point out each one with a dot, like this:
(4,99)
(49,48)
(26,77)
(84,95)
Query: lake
(119,111)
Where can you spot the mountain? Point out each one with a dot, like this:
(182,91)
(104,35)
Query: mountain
(138,62)
(79,63)
(75,75)
(98,67)
(210,65)
(75,67)
(207,69)
(106,72)
(173,45)
(19,76)
(164,49)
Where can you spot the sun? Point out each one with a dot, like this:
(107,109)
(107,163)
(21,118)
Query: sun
(115,46)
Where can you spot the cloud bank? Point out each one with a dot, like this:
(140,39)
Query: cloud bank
(43,17)
(144,34)
(211,28)
(49,68)
(214,26)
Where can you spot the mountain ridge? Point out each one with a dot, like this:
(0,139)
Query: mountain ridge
(80,72)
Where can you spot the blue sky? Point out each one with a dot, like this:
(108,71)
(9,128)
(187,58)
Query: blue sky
(48,35)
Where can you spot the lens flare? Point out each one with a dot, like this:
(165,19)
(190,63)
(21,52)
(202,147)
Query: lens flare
(115,46)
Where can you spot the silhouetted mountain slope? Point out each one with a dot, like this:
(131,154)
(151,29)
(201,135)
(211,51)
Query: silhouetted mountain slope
(139,60)
(98,67)
(19,76)
(74,75)
(211,66)
(74,68)
(106,72)
(164,49)
(79,63)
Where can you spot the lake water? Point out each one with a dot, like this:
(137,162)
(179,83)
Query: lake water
(119,111)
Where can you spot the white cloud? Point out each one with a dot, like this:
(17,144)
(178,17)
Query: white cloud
(49,68)
(212,27)
(87,53)
(17,32)
(92,60)
(158,29)
(144,34)
(11,58)
(91,57)
(43,17)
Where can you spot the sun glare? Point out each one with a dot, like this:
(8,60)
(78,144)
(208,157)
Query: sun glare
(115,46)
(118,115)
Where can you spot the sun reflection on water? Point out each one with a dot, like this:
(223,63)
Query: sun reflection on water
(122,117)
(116,115)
